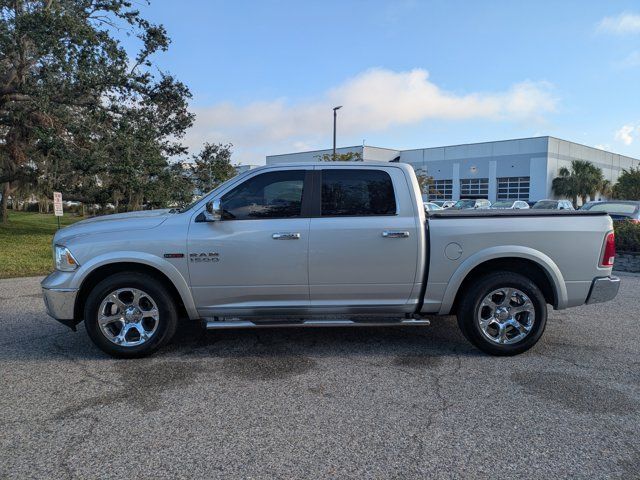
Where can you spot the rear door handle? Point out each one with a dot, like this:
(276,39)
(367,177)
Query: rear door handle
(395,234)
(286,236)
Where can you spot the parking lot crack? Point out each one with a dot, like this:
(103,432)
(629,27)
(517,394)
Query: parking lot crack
(76,441)
(84,369)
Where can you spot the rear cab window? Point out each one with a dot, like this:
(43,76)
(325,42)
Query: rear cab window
(356,192)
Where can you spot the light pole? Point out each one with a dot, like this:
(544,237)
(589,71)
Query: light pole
(335,115)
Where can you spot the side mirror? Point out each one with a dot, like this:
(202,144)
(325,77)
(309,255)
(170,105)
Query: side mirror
(213,211)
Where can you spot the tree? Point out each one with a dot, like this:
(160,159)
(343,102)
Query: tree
(340,157)
(426,183)
(582,180)
(628,186)
(212,166)
(70,98)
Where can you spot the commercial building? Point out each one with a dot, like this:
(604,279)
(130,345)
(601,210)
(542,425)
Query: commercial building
(244,168)
(521,169)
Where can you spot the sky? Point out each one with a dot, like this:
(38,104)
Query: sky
(409,74)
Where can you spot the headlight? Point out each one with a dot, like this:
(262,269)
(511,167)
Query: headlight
(64,260)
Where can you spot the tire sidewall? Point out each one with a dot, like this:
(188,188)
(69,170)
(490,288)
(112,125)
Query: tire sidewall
(469,309)
(167,314)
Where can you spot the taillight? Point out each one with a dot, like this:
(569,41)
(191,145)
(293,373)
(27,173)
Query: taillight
(609,251)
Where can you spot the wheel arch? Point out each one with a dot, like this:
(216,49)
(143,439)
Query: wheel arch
(171,278)
(523,260)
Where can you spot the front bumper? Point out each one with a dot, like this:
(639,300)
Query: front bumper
(603,289)
(60,302)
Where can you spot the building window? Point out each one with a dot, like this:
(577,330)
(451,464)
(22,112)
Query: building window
(441,190)
(513,188)
(474,188)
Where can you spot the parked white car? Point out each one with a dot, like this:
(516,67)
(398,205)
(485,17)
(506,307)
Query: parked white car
(432,207)
(553,205)
(471,203)
(510,205)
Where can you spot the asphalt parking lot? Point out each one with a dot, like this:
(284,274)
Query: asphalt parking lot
(313,403)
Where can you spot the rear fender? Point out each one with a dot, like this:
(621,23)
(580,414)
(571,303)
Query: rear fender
(505,251)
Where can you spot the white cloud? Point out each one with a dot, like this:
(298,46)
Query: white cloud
(621,24)
(625,134)
(375,100)
(630,61)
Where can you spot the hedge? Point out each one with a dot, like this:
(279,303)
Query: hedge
(627,236)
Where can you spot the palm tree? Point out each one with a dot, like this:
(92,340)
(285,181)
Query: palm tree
(582,180)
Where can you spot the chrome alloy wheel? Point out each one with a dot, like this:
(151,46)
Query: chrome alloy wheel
(506,316)
(128,317)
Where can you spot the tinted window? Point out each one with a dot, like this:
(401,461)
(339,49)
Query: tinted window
(357,192)
(269,195)
(546,205)
(614,207)
(464,204)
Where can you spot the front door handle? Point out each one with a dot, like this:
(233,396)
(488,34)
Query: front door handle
(286,236)
(395,234)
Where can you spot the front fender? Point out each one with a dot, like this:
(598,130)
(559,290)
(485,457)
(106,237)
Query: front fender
(504,251)
(172,273)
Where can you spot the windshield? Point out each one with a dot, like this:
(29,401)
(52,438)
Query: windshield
(546,205)
(612,207)
(503,204)
(465,204)
(190,206)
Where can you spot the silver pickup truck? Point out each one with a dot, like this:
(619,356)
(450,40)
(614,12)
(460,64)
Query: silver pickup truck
(326,244)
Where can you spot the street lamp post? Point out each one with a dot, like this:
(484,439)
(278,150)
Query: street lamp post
(335,115)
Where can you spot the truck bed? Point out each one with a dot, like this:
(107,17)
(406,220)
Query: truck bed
(567,245)
(448,213)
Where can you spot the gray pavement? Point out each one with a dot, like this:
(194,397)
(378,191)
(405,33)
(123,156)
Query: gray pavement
(411,402)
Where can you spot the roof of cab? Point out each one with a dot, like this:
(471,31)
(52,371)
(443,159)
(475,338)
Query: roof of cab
(337,164)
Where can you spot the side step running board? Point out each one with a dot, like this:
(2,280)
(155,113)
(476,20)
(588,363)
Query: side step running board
(222,324)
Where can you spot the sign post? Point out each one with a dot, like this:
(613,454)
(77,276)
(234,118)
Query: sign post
(57,206)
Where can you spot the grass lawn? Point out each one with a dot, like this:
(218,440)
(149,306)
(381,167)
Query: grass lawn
(25,243)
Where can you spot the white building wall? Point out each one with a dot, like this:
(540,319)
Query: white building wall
(312,156)
(538,158)
(562,153)
(538,179)
(377,154)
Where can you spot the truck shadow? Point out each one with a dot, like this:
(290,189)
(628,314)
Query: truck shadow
(441,338)
(408,346)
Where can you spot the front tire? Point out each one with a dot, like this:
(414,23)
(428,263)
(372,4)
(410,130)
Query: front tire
(130,315)
(503,313)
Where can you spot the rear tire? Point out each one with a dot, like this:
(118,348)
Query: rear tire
(503,313)
(130,315)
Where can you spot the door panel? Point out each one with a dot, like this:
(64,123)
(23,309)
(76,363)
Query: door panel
(255,258)
(351,260)
(252,269)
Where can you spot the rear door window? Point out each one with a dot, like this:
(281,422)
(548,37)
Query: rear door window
(357,192)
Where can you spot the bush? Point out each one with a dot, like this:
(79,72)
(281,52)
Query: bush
(627,236)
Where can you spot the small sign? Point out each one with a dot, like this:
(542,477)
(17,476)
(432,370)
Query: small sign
(57,204)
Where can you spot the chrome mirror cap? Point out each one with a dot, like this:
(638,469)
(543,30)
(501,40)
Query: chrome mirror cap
(213,211)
